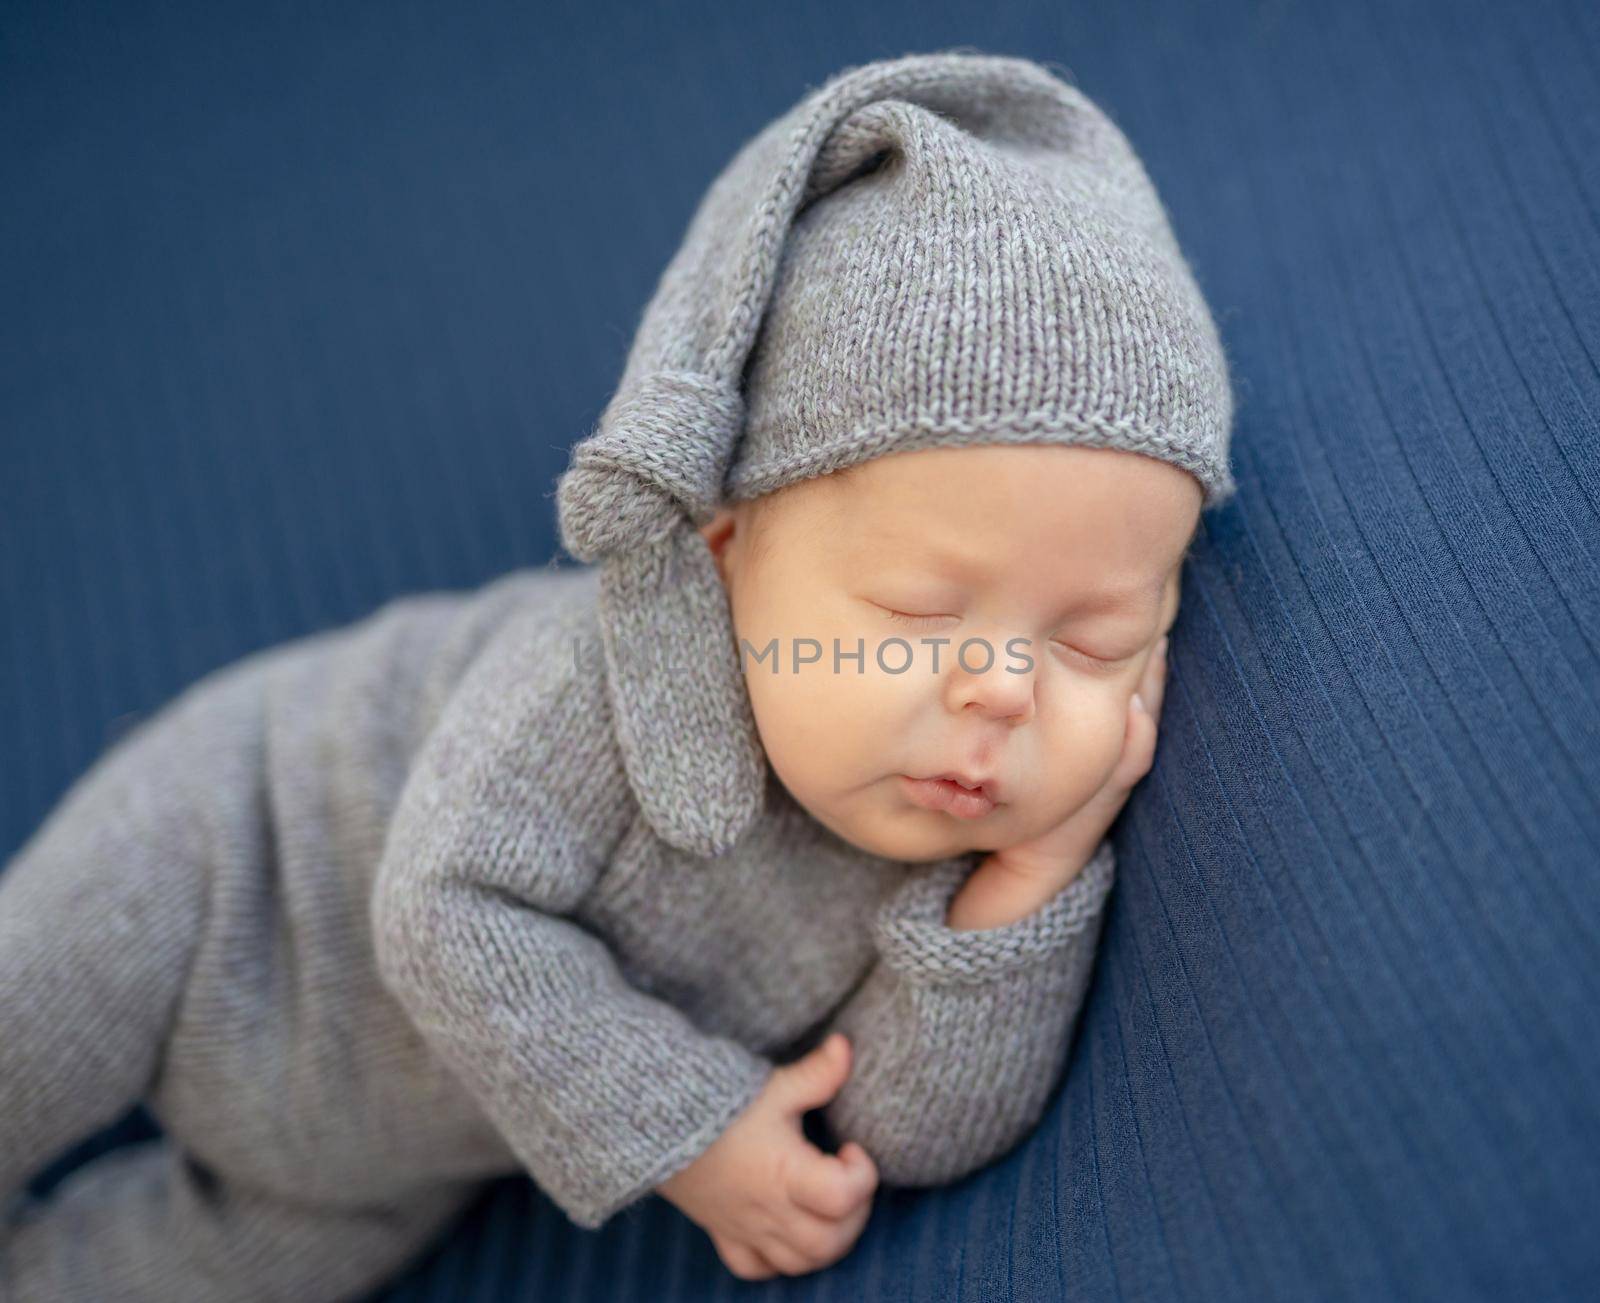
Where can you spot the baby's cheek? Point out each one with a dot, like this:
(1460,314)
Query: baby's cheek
(1096,730)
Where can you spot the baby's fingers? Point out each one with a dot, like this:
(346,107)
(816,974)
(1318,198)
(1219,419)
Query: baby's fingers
(812,1242)
(832,1185)
(1138,746)
(743,1261)
(1153,682)
(1144,710)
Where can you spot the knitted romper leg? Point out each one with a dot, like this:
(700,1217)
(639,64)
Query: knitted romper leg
(100,913)
(147,1224)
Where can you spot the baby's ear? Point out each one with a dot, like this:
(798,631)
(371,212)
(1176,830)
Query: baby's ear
(717,531)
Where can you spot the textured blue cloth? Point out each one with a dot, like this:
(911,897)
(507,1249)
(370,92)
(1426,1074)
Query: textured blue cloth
(282,339)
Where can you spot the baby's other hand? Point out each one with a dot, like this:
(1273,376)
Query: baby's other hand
(770,1199)
(1069,844)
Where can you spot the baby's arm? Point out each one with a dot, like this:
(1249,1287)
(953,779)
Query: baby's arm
(601,1090)
(510,809)
(959,1036)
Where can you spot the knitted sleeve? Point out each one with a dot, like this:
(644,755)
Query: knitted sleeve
(959,1037)
(503,826)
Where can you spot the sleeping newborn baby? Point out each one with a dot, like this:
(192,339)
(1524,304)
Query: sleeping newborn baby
(923,566)
(793,796)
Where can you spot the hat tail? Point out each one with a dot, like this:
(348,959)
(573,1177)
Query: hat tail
(682,713)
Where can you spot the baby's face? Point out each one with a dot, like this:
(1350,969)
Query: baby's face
(1075,551)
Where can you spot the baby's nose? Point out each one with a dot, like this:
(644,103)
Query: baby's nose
(1000,687)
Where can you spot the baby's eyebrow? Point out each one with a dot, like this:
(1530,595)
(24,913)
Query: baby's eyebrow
(1119,599)
(1112,598)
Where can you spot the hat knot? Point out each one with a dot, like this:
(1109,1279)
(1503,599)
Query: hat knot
(659,453)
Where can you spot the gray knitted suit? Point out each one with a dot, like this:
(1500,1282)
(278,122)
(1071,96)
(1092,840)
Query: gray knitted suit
(435,797)
(500,880)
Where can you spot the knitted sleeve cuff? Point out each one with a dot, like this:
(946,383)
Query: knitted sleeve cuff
(913,937)
(672,1127)
(959,1036)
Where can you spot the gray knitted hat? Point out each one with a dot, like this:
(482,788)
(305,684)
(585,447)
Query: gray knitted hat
(934,250)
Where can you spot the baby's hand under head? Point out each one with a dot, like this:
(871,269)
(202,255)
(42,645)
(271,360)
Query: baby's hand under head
(770,1199)
(1067,847)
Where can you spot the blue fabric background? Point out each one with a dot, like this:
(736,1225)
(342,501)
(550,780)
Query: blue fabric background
(305,305)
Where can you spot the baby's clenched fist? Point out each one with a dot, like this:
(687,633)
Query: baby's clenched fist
(770,1200)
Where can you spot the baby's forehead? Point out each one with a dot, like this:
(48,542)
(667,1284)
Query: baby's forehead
(1005,501)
